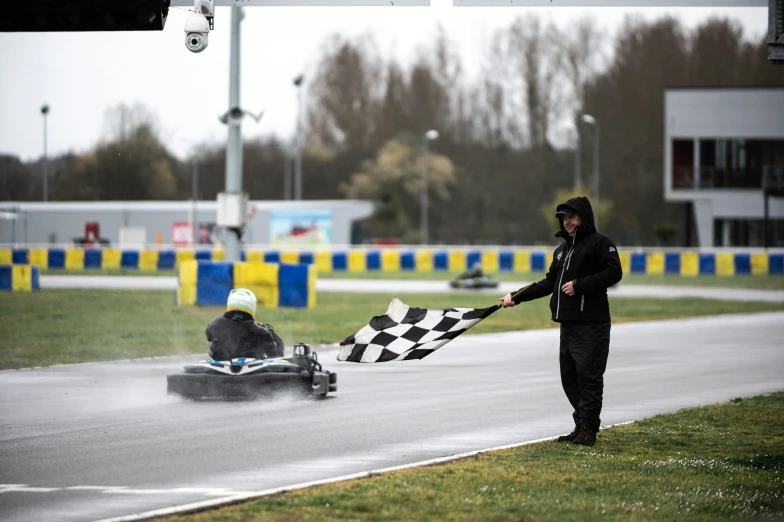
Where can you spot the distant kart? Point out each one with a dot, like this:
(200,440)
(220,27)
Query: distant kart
(247,378)
(476,283)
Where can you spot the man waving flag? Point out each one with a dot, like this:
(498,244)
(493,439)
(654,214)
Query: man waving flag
(405,332)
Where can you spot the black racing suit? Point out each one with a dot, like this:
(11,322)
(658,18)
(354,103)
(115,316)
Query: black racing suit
(235,334)
(590,260)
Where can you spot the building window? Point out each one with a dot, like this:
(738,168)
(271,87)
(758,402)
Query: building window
(740,163)
(683,163)
(747,232)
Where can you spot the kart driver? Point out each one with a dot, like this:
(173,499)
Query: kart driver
(474,273)
(236,334)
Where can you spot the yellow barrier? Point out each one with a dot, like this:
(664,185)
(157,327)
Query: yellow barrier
(111,258)
(289,257)
(39,257)
(690,264)
(522,262)
(759,264)
(21,278)
(323,261)
(655,263)
(457,261)
(424,259)
(74,259)
(148,260)
(490,261)
(390,260)
(183,255)
(259,278)
(357,261)
(725,264)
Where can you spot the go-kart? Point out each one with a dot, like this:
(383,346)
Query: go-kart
(474,283)
(246,378)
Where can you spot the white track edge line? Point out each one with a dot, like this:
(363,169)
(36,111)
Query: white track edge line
(207,504)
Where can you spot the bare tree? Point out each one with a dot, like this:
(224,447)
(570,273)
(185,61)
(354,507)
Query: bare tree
(533,50)
(346,93)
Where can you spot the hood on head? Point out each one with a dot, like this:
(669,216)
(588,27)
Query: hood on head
(582,206)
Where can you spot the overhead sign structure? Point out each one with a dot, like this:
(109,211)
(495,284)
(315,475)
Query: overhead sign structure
(137,15)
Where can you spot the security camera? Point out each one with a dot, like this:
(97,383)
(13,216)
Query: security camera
(197,31)
(198,25)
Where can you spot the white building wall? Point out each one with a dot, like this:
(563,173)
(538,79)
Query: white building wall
(751,113)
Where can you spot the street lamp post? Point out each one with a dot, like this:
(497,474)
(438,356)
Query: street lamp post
(590,120)
(298,158)
(45,112)
(423,221)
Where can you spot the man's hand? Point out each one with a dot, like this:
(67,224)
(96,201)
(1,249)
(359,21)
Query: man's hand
(506,301)
(568,288)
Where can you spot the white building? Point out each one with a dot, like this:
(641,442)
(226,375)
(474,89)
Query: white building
(721,145)
(63,222)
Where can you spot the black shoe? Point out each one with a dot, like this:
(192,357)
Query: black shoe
(569,437)
(585,436)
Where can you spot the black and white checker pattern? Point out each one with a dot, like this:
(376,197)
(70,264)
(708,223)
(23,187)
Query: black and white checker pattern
(405,333)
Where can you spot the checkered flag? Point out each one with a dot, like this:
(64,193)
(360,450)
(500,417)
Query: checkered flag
(405,332)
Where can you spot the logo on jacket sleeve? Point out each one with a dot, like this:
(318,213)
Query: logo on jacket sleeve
(559,256)
(612,249)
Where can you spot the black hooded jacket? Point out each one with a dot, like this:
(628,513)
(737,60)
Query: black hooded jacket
(235,334)
(590,260)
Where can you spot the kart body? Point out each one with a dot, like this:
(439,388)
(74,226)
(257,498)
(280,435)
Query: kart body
(247,378)
(476,283)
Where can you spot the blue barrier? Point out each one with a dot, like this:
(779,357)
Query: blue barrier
(166,259)
(506,261)
(93,258)
(638,263)
(707,264)
(373,260)
(56,258)
(440,260)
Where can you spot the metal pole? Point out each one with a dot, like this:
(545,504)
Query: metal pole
(577,160)
(287,174)
(423,202)
(234,146)
(45,111)
(195,186)
(596,174)
(298,158)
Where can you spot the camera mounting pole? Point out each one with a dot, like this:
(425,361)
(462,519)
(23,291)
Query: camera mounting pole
(234,145)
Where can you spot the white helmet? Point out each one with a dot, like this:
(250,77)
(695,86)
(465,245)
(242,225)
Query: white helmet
(242,299)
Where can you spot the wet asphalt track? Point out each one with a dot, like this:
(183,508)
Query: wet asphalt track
(92,441)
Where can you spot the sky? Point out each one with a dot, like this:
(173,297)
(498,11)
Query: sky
(80,75)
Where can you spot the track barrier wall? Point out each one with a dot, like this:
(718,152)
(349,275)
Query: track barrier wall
(19,278)
(357,260)
(276,285)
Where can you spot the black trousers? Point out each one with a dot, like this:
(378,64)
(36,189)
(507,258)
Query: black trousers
(583,357)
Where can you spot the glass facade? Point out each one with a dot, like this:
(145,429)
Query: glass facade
(728,163)
(747,233)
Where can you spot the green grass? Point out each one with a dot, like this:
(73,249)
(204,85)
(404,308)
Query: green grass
(703,464)
(762,282)
(69,326)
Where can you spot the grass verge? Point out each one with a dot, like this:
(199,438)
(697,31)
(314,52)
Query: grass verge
(711,463)
(70,326)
